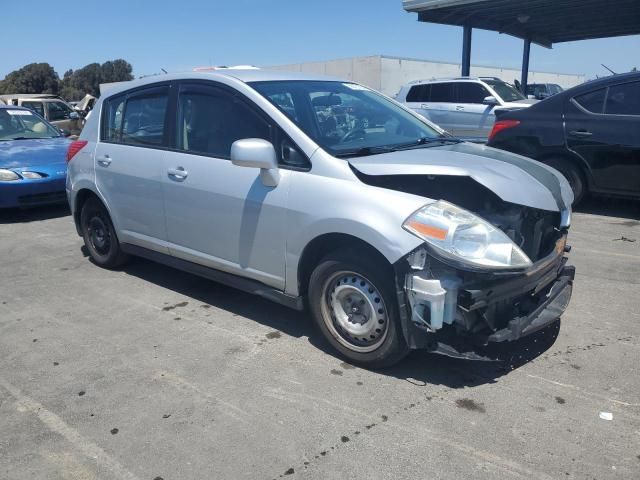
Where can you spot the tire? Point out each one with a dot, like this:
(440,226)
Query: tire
(353,302)
(574,176)
(99,235)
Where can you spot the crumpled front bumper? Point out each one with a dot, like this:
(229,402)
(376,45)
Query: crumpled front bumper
(477,308)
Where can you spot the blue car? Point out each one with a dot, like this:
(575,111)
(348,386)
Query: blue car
(33,163)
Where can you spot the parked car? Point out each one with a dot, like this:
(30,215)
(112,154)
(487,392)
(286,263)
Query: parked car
(50,107)
(397,235)
(463,106)
(541,91)
(590,133)
(32,159)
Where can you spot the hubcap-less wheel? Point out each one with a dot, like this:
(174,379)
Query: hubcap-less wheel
(99,235)
(354,311)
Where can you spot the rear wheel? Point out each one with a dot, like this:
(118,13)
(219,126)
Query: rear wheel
(100,236)
(352,299)
(574,176)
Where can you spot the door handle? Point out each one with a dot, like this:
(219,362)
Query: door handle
(178,173)
(580,133)
(104,161)
(459,108)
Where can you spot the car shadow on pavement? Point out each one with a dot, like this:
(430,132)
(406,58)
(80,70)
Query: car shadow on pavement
(26,215)
(419,368)
(611,207)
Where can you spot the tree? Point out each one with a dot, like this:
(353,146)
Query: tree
(32,78)
(77,83)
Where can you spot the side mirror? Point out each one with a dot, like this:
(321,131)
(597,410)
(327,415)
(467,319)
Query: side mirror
(257,153)
(65,133)
(74,115)
(490,100)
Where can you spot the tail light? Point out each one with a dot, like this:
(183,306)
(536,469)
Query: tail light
(501,125)
(74,148)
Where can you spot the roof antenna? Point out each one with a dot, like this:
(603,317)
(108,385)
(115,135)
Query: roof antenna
(612,72)
(163,70)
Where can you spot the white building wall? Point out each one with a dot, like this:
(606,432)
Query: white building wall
(389,74)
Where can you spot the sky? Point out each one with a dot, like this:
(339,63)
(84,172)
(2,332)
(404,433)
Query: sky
(178,35)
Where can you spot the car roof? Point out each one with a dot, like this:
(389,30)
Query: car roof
(245,75)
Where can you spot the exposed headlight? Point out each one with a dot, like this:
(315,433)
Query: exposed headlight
(8,175)
(460,235)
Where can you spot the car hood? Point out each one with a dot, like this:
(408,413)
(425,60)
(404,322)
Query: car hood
(513,178)
(35,152)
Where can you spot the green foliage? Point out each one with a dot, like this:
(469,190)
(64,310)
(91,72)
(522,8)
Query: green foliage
(32,78)
(74,85)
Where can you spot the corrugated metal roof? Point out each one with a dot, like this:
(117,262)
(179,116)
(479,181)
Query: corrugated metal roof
(543,21)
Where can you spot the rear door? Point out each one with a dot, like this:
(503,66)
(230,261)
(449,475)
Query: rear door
(435,101)
(129,164)
(602,127)
(475,119)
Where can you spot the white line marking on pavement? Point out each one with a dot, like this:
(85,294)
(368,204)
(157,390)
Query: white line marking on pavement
(57,425)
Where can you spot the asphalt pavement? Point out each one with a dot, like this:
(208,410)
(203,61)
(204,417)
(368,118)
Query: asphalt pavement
(151,373)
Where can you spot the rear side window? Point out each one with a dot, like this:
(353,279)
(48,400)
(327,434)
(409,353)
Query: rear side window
(419,93)
(211,119)
(144,118)
(593,101)
(442,92)
(471,93)
(623,99)
(136,119)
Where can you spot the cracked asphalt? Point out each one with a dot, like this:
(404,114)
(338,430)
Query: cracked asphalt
(150,373)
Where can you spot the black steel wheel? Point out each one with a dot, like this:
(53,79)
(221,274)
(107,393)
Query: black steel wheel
(99,235)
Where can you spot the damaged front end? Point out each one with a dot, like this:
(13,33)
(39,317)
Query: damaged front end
(492,265)
(484,278)
(453,307)
(454,311)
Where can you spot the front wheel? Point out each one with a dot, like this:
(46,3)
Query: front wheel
(352,299)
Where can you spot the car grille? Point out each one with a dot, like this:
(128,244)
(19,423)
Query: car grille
(49,197)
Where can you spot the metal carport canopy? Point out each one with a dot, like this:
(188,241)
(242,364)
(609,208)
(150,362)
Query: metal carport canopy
(544,22)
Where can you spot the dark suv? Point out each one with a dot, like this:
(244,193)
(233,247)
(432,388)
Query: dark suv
(590,133)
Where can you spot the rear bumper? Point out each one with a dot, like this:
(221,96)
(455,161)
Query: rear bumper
(31,193)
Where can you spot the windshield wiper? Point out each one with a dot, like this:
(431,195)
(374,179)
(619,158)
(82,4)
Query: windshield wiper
(426,142)
(364,151)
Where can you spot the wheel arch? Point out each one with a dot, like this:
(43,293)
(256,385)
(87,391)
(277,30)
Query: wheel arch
(80,199)
(323,245)
(578,161)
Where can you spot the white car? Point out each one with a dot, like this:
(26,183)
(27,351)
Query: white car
(464,106)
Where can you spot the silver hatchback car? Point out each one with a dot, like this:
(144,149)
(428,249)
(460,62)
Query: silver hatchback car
(320,192)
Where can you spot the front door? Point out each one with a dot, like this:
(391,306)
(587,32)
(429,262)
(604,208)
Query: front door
(602,127)
(129,165)
(219,214)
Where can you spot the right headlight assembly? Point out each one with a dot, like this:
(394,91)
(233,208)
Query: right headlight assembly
(462,236)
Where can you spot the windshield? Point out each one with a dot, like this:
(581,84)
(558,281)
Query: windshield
(18,124)
(505,91)
(346,118)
